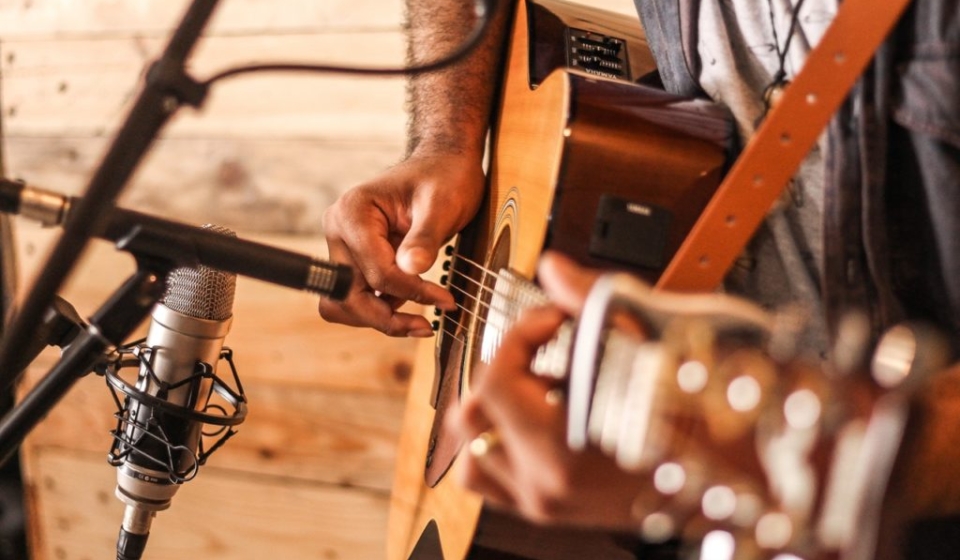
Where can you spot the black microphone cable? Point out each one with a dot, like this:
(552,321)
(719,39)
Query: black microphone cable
(483,9)
(134,139)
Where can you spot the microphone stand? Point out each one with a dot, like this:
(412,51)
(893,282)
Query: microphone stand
(109,327)
(166,87)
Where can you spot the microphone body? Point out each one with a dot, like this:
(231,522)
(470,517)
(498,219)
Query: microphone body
(159,445)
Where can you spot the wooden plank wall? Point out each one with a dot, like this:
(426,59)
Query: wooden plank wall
(266,151)
(308,476)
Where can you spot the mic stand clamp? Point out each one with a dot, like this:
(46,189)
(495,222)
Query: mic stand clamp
(168,77)
(108,328)
(166,87)
(61,325)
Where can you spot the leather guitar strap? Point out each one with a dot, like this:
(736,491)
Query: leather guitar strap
(773,154)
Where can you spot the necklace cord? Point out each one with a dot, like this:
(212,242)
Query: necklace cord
(781,73)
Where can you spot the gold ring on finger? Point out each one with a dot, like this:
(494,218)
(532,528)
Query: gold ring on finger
(484,443)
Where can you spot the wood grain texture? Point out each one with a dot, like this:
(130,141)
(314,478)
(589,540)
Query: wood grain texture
(227,515)
(86,86)
(309,471)
(105,17)
(251,185)
(277,334)
(342,438)
(268,152)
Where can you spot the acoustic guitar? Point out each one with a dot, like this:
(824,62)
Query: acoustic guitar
(589,157)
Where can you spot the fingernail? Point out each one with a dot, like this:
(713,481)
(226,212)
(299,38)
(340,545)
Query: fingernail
(421,333)
(415,260)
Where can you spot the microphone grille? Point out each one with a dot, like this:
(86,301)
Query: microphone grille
(202,292)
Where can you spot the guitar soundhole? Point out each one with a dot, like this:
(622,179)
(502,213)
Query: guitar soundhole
(479,344)
(459,345)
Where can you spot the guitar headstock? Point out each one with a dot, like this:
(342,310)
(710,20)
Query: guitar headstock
(744,439)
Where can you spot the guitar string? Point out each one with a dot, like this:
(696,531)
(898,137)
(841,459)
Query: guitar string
(454,324)
(601,399)
(475,264)
(482,269)
(479,303)
(477,316)
(483,286)
(451,327)
(479,319)
(508,307)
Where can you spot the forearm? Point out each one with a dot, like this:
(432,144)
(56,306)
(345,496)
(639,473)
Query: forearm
(450,109)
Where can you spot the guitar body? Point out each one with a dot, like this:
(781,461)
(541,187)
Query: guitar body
(610,172)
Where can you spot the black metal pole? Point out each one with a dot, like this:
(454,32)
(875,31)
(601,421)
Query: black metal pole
(109,327)
(166,87)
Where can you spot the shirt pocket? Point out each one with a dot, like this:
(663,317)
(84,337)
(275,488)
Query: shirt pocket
(928,100)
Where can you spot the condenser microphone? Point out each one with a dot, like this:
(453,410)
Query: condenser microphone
(158,441)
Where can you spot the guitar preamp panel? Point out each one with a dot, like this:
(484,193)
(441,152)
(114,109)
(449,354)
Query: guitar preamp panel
(600,55)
